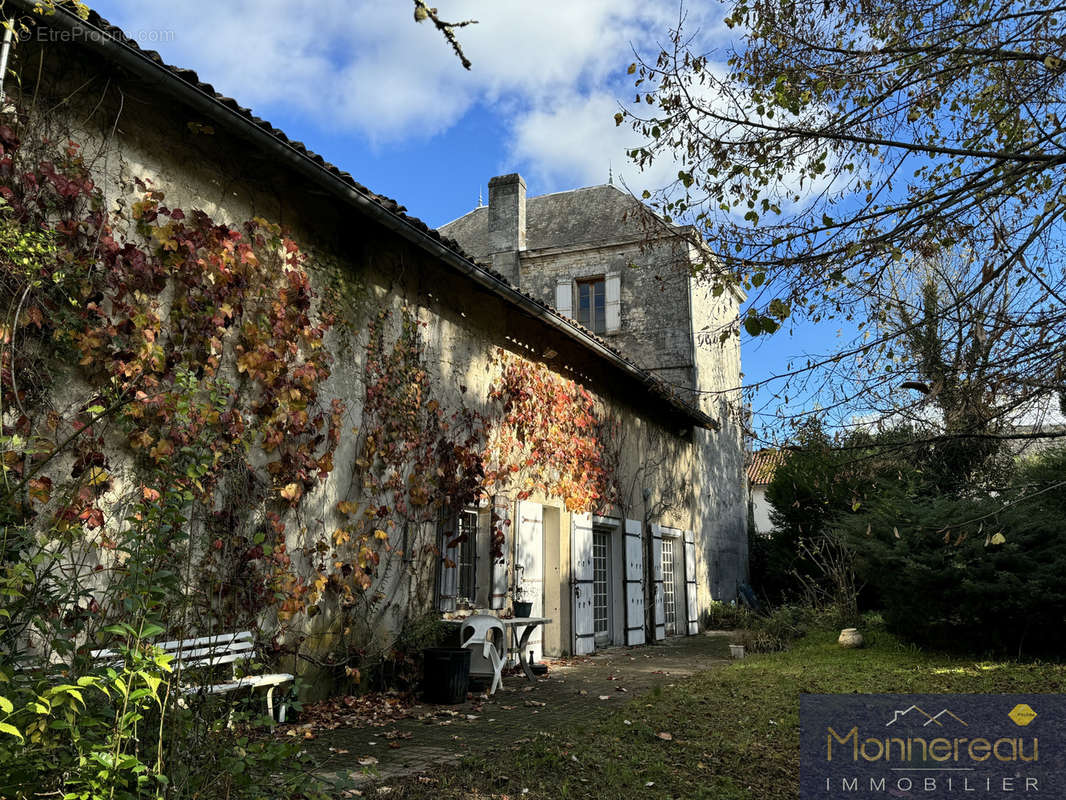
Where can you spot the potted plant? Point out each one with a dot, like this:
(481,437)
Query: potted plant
(522,607)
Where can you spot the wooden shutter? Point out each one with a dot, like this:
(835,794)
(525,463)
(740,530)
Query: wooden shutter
(564,297)
(657,581)
(529,566)
(448,581)
(634,583)
(501,523)
(613,305)
(581,565)
(691,598)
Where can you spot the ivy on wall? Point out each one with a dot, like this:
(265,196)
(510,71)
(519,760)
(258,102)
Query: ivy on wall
(204,347)
(199,344)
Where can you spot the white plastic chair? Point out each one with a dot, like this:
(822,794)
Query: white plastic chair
(486,655)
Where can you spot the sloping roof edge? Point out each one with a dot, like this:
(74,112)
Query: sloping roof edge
(114,45)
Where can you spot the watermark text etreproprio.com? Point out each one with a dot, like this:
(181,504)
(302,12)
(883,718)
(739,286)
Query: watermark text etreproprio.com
(42,34)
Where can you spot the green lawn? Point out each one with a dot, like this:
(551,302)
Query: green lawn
(735,730)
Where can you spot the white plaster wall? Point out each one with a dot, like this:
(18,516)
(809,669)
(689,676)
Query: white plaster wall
(760,507)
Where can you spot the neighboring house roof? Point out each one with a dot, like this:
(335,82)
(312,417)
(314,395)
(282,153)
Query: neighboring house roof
(763,465)
(114,45)
(592,215)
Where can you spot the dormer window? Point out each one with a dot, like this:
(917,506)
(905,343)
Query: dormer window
(594,301)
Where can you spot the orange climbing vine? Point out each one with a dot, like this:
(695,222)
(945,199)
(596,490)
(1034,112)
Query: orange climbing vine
(550,437)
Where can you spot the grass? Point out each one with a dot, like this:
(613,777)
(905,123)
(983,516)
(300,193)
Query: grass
(734,730)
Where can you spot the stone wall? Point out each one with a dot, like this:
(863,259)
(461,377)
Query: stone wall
(654,329)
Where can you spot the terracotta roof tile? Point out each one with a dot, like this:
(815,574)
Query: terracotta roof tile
(763,465)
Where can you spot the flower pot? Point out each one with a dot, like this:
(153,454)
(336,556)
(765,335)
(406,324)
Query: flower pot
(445,674)
(523,609)
(736,651)
(850,637)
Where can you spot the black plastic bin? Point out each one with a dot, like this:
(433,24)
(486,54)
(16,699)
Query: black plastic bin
(445,674)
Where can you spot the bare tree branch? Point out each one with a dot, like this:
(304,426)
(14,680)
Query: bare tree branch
(447,29)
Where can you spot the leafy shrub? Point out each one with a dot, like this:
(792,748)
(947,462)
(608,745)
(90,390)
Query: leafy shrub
(982,574)
(773,631)
(727,617)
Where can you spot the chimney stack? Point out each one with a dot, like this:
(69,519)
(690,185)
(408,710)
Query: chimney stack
(507,224)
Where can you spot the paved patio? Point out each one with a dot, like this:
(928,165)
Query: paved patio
(574,690)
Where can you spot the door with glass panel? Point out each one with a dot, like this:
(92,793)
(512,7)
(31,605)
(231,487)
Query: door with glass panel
(601,586)
(669,584)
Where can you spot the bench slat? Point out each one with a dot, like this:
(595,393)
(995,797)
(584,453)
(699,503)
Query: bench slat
(221,638)
(252,681)
(189,651)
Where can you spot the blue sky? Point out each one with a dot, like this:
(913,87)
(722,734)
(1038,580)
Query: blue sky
(386,99)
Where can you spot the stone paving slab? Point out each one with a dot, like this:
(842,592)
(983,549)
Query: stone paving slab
(569,695)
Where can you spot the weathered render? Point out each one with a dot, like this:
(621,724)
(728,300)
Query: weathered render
(675,467)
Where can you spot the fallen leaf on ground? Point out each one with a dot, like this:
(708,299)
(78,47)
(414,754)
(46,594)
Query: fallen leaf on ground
(367,761)
(665,736)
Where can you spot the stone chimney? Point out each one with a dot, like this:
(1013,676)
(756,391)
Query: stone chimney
(507,224)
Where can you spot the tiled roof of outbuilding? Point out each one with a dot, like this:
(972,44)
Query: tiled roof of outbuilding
(763,465)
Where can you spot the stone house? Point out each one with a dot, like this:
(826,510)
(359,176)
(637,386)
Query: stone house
(629,551)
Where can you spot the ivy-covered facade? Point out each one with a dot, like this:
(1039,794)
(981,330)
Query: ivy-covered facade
(360,427)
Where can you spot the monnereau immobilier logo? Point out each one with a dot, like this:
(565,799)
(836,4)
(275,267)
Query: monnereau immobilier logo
(932,746)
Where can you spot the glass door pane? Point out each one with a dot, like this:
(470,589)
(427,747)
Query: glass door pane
(669,601)
(601,584)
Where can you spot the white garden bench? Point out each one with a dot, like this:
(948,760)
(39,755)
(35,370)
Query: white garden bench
(207,652)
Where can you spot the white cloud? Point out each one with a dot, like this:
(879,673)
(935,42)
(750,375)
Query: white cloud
(366,67)
(573,141)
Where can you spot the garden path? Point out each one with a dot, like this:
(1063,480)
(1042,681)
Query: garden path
(574,691)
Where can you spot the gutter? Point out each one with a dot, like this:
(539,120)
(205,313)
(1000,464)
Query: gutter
(139,63)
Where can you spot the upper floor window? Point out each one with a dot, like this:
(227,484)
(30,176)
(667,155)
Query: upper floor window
(595,302)
(592,304)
